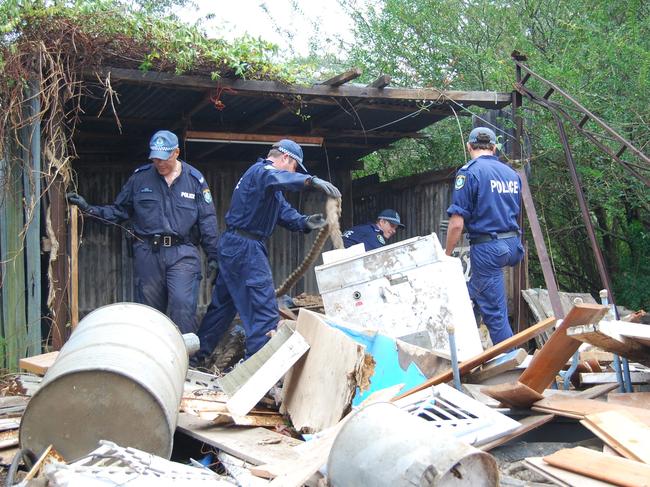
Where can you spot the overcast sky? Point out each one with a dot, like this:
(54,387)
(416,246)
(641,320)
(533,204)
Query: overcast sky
(260,18)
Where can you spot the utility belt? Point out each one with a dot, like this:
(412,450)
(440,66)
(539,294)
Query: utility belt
(489,237)
(245,234)
(159,240)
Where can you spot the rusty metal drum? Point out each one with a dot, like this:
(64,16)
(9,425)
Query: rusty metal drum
(119,377)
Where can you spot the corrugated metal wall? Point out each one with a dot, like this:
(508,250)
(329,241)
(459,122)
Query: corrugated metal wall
(106,271)
(421,201)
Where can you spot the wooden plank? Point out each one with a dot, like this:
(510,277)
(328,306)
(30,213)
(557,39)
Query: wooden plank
(579,408)
(341,79)
(257,88)
(381,82)
(513,394)
(267,375)
(634,399)
(198,135)
(528,423)
(618,471)
(32,186)
(318,390)
(497,365)
(467,365)
(610,377)
(74,265)
(559,348)
(38,364)
(255,445)
(596,354)
(599,336)
(624,433)
(562,477)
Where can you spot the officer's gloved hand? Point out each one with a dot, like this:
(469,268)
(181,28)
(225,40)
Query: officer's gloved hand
(326,187)
(75,199)
(314,222)
(213,269)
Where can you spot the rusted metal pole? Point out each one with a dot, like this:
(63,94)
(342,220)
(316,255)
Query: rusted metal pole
(582,202)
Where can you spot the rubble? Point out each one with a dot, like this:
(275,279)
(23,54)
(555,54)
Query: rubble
(330,402)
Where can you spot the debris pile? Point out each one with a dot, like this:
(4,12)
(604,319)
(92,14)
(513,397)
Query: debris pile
(380,401)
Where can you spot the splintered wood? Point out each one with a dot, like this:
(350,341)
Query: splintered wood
(318,390)
(545,364)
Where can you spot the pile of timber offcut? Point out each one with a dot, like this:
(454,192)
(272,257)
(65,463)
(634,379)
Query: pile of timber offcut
(299,404)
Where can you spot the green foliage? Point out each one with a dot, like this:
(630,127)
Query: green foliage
(596,50)
(141,33)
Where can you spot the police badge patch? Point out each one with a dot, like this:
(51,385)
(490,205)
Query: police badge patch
(207,197)
(460,181)
(380,237)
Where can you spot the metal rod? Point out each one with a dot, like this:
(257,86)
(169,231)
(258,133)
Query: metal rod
(629,145)
(616,363)
(454,356)
(540,245)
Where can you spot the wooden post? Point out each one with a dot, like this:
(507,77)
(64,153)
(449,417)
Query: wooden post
(74,266)
(58,300)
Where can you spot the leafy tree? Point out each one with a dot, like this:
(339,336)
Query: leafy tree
(597,50)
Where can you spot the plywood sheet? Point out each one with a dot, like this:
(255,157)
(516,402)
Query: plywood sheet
(579,408)
(618,471)
(255,445)
(562,477)
(623,432)
(318,390)
(634,399)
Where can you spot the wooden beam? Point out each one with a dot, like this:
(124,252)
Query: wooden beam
(343,78)
(487,99)
(252,138)
(382,82)
(74,266)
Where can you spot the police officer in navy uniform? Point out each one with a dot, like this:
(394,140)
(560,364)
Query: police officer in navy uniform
(244,283)
(374,235)
(487,200)
(171,209)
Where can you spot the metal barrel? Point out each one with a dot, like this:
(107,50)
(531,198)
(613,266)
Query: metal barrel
(119,377)
(383,446)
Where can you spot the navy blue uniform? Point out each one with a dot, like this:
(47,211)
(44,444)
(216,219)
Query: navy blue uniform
(245,282)
(368,234)
(167,276)
(487,195)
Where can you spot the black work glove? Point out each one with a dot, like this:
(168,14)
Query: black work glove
(314,222)
(325,186)
(75,199)
(213,270)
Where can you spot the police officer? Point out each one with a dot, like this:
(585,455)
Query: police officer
(244,283)
(171,209)
(374,235)
(486,200)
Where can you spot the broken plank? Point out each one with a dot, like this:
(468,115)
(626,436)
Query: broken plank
(467,365)
(341,79)
(623,432)
(604,337)
(318,390)
(255,445)
(268,374)
(579,408)
(38,364)
(528,423)
(559,348)
(497,365)
(562,477)
(618,471)
(634,399)
(513,394)
(610,377)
